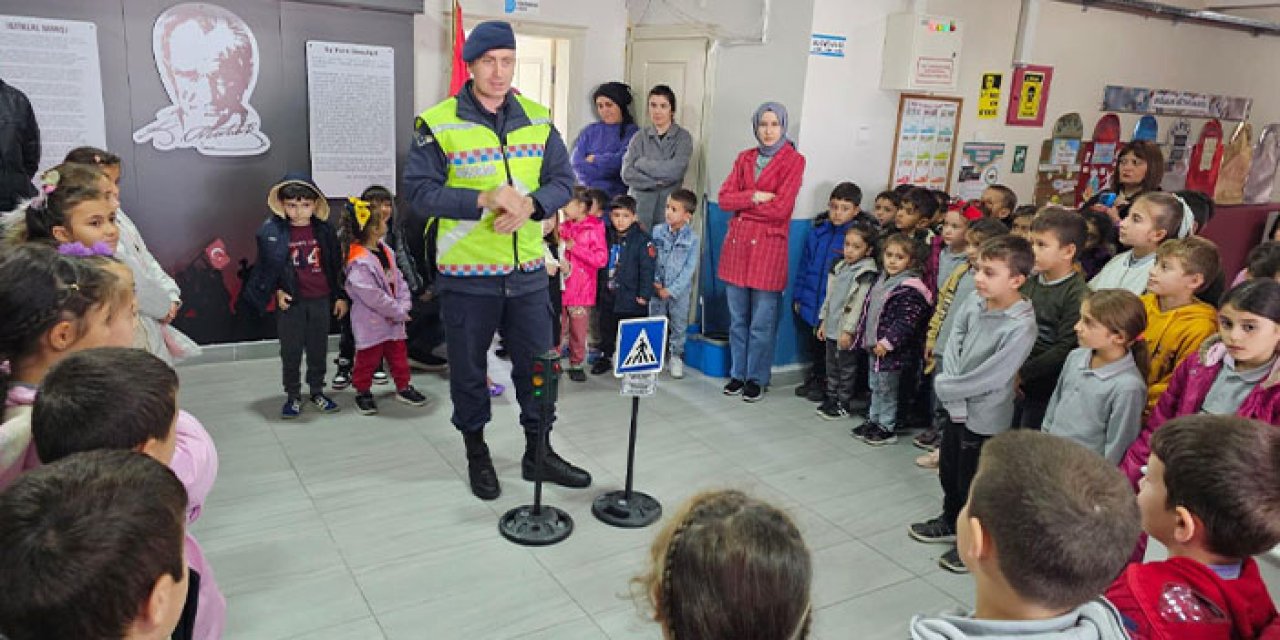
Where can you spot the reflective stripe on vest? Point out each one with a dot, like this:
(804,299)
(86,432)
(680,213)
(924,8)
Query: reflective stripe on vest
(478,160)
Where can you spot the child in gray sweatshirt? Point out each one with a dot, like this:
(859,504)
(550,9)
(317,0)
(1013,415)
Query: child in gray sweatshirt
(993,335)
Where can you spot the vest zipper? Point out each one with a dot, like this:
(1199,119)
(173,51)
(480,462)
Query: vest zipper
(515,237)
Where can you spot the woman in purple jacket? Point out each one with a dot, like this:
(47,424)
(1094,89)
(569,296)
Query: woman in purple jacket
(597,154)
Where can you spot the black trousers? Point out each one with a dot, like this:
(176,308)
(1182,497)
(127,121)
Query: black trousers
(304,327)
(557,304)
(609,324)
(842,372)
(957,464)
(470,323)
(817,350)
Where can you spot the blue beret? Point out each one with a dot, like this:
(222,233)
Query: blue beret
(488,35)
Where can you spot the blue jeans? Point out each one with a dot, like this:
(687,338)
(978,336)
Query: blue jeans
(884,398)
(676,311)
(753,330)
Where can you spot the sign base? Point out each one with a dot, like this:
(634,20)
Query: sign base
(524,527)
(613,508)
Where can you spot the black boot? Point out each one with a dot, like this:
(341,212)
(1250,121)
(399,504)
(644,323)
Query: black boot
(484,480)
(554,468)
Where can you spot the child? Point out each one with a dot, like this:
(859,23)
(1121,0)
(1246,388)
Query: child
(1039,564)
(951,295)
(850,281)
(630,272)
(948,248)
(96,542)
(1055,293)
(585,252)
(918,209)
(1234,373)
(998,202)
(891,329)
(1263,261)
(728,566)
(678,255)
(159,297)
(380,303)
(993,335)
(382,202)
(118,398)
(1153,218)
(75,205)
(886,209)
(809,288)
(599,202)
(1210,496)
(1098,249)
(52,305)
(299,268)
(1177,323)
(1101,393)
(1020,221)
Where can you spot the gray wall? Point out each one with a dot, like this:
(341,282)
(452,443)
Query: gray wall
(182,200)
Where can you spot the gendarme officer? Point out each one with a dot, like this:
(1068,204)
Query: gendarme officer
(488,164)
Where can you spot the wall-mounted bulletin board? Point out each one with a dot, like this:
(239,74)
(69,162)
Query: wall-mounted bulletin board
(924,145)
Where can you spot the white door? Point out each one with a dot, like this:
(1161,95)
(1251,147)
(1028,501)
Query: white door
(536,74)
(680,63)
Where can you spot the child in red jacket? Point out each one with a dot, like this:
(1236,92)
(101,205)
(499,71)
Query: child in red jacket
(1210,495)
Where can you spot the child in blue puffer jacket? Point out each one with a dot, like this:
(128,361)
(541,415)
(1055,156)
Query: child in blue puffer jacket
(822,249)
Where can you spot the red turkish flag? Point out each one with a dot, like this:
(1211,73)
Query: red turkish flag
(460,72)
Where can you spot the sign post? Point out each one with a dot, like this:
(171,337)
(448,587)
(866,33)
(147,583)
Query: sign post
(641,350)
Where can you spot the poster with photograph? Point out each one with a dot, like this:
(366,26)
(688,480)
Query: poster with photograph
(1175,102)
(1029,95)
(55,63)
(351,116)
(989,96)
(979,168)
(924,145)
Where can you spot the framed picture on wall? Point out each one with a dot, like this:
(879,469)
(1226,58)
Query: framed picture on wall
(924,144)
(1029,95)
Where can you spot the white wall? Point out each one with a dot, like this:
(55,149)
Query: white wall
(1088,50)
(745,74)
(598,28)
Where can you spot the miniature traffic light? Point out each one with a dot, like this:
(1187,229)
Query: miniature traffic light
(545,377)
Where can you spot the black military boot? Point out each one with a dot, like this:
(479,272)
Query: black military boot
(554,468)
(484,480)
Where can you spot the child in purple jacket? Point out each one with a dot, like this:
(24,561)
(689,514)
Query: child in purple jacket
(380,303)
(895,315)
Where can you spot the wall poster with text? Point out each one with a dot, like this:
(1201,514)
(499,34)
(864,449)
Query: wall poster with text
(924,144)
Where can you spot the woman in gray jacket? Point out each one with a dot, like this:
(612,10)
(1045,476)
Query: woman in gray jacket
(657,158)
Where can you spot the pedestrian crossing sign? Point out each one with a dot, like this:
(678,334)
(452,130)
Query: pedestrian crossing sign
(642,346)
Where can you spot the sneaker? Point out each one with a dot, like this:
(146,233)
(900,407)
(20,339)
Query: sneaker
(411,396)
(342,379)
(752,392)
(324,403)
(429,362)
(602,366)
(578,375)
(677,367)
(928,460)
(292,408)
(928,440)
(734,387)
(365,404)
(951,562)
(381,377)
(878,436)
(831,410)
(932,531)
(860,431)
(818,393)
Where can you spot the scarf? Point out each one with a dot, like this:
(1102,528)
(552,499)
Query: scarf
(778,110)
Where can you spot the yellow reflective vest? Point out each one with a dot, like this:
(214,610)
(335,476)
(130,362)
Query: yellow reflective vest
(478,160)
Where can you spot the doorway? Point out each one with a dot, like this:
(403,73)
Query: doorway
(541,64)
(678,59)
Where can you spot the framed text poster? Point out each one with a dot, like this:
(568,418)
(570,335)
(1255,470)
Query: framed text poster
(924,146)
(1029,95)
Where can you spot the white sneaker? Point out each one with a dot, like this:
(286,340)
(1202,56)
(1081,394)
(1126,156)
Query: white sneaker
(677,368)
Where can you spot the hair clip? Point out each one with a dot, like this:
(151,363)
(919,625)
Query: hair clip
(360,209)
(1142,337)
(1188,218)
(49,180)
(78,250)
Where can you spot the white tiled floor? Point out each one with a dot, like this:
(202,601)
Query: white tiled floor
(352,527)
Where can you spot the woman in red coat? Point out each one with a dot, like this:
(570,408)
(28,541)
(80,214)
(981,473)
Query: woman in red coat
(761,192)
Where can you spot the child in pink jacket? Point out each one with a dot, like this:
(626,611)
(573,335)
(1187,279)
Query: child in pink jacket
(583,253)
